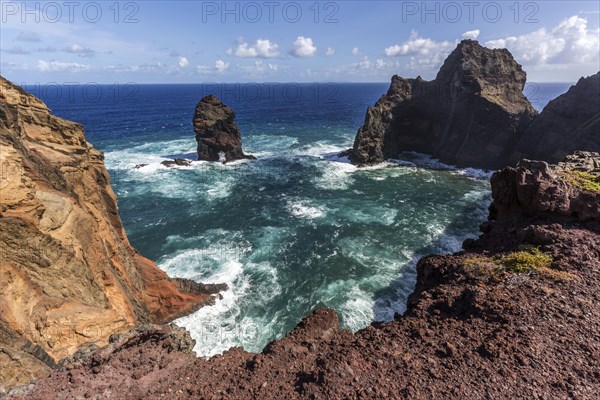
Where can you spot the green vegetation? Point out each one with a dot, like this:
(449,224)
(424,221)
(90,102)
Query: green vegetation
(582,180)
(526,260)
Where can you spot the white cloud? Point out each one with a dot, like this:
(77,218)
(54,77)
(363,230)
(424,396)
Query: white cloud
(28,37)
(16,51)
(423,52)
(419,46)
(183,62)
(570,42)
(51,66)
(471,34)
(79,50)
(204,69)
(364,63)
(330,52)
(303,47)
(263,48)
(221,66)
(379,64)
(356,51)
(260,68)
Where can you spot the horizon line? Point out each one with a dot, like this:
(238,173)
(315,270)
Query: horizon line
(229,83)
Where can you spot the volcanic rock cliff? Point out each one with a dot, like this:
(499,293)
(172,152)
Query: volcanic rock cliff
(516,315)
(472,114)
(68,275)
(568,123)
(217,134)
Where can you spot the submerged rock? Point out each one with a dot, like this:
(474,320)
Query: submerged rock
(217,134)
(472,114)
(179,162)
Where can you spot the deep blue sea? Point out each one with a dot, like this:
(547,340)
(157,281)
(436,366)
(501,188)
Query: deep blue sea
(297,229)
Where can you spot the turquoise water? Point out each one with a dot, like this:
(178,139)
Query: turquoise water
(297,229)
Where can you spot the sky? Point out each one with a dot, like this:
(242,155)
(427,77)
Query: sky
(272,41)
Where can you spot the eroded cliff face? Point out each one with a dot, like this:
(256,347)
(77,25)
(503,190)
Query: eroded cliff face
(68,275)
(472,114)
(478,325)
(568,123)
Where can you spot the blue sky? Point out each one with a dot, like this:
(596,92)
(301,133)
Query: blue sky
(303,41)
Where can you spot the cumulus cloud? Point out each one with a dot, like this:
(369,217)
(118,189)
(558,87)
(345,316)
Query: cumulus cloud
(260,68)
(330,52)
(28,37)
(379,64)
(471,34)
(221,66)
(570,42)
(79,50)
(363,64)
(303,47)
(16,51)
(424,53)
(419,46)
(356,51)
(183,62)
(204,69)
(262,48)
(53,66)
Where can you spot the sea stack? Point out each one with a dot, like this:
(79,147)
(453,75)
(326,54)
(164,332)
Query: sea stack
(472,114)
(217,134)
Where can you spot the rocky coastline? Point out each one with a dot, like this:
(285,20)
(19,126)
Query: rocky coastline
(516,314)
(474,114)
(69,276)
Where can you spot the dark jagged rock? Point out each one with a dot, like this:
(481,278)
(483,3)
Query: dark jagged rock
(190,286)
(472,329)
(538,188)
(217,134)
(472,114)
(179,162)
(568,123)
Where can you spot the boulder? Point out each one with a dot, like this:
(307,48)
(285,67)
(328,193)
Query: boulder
(179,162)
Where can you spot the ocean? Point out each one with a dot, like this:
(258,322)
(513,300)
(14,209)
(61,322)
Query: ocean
(297,229)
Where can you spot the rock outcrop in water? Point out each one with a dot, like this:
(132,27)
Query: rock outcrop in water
(516,315)
(568,123)
(217,134)
(68,275)
(472,114)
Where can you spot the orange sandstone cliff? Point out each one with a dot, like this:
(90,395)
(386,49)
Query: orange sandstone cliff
(68,275)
